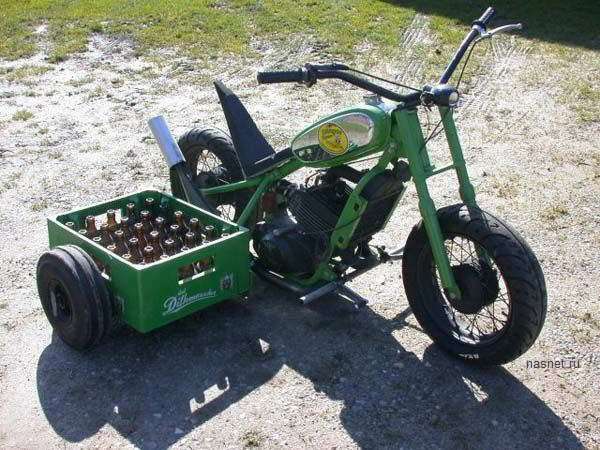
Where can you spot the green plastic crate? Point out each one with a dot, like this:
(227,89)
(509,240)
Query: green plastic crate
(152,295)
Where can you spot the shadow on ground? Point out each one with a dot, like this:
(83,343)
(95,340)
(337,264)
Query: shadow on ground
(569,23)
(142,385)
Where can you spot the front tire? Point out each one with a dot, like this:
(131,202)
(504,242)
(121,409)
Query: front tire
(503,304)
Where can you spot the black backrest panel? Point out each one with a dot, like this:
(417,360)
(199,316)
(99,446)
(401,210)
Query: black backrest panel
(251,146)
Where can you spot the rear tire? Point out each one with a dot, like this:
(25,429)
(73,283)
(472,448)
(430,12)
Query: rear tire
(517,289)
(212,160)
(75,297)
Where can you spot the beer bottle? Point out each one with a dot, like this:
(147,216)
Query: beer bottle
(187,270)
(83,232)
(126,226)
(155,242)
(134,250)
(70,225)
(180,220)
(111,220)
(105,235)
(149,206)
(138,232)
(170,248)
(130,207)
(194,226)
(120,242)
(210,232)
(190,239)
(112,248)
(148,254)
(90,226)
(174,235)
(160,226)
(126,257)
(146,221)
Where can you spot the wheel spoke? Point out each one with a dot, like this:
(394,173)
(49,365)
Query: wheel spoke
(492,318)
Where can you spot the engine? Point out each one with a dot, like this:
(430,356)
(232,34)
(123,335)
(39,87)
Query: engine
(286,247)
(296,240)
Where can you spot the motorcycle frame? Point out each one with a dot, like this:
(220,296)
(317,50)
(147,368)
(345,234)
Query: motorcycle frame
(406,141)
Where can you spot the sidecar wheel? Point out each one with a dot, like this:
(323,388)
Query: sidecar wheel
(75,297)
(503,304)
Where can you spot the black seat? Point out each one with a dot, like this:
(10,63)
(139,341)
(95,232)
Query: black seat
(253,151)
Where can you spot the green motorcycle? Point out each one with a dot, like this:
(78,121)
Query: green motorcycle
(473,283)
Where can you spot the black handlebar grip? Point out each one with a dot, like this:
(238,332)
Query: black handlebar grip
(285,76)
(486,16)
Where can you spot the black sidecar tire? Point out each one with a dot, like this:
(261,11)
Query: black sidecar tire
(519,271)
(75,297)
(214,144)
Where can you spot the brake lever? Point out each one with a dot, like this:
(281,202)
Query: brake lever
(502,29)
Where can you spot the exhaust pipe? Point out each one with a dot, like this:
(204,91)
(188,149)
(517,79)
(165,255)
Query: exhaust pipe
(176,162)
(166,141)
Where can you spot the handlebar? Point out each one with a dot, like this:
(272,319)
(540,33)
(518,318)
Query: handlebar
(485,18)
(307,75)
(478,28)
(285,76)
(310,73)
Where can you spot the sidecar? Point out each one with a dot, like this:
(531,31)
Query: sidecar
(86,289)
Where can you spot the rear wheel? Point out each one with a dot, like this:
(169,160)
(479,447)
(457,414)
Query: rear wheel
(212,160)
(503,293)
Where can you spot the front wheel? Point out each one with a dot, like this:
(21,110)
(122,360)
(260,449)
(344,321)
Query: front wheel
(503,292)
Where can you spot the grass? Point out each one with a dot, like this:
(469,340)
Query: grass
(251,439)
(506,187)
(586,101)
(22,115)
(213,27)
(21,74)
(39,206)
(554,212)
(205,28)
(98,91)
(78,82)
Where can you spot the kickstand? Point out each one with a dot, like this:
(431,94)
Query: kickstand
(335,287)
(358,300)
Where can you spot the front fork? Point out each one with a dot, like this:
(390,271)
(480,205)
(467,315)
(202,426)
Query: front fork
(408,131)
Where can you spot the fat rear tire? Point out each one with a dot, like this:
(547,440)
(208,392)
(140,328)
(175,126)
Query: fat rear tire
(212,149)
(75,297)
(517,264)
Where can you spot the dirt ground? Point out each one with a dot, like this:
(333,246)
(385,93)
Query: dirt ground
(266,371)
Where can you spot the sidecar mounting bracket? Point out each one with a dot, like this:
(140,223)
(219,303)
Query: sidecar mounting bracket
(310,294)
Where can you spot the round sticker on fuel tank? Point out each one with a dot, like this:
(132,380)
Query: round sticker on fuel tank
(333,139)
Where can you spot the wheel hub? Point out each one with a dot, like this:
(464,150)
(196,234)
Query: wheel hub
(59,302)
(478,287)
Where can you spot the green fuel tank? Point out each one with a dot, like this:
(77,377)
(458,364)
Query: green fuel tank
(344,136)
